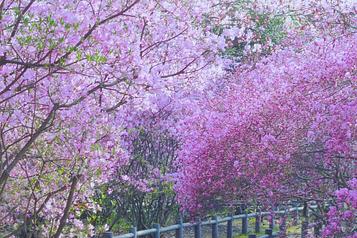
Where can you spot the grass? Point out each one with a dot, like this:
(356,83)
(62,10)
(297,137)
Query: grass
(291,229)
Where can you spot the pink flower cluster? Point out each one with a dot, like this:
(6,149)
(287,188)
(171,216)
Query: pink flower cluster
(76,76)
(244,141)
(73,74)
(341,219)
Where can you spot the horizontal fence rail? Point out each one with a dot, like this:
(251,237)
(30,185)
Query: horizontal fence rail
(157,230)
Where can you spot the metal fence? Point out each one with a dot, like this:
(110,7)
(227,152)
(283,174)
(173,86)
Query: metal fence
(179,228)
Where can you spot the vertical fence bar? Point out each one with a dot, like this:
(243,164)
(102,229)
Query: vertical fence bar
(269,232)
(245,224)
(271,222)
(107,234)
(215,228)
(134,231)
(198,230)
(238,210)
(282,226)
(157,232)
(317,230)
(305,221)
(258,219)
(296,215)
(179,231)
(230,227)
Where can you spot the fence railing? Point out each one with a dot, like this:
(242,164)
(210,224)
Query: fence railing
(179,228)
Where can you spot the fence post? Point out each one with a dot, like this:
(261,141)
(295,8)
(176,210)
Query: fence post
(179,231)
(317,230)
(271,223)
(257,222)
(230,227)
(245,224)
(238,210)
(305,222)
(215,228)
(198,233)
(157,232)
(296,215)
(282,226)
(134,231)
(107,234)
(269,232)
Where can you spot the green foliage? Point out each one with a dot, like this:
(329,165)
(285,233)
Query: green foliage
(96,57)
(121,204)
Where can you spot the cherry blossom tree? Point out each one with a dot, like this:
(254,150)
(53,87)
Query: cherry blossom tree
(67,72)
(341,218)
(141,192)
(77,76)
(249,139)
